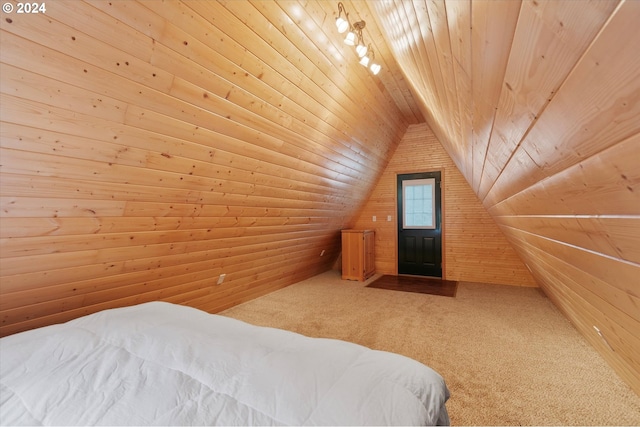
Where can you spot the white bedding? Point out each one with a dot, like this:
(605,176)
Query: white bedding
(165,364)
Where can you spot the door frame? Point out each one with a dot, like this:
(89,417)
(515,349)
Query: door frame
(442,216)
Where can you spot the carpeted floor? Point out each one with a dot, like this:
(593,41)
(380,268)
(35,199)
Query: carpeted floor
(507,354)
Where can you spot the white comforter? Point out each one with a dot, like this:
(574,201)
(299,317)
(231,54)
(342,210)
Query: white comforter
(165,364)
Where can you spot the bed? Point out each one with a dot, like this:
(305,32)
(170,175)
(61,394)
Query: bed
(164,364)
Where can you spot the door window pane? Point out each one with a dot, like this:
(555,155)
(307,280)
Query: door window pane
(418,203)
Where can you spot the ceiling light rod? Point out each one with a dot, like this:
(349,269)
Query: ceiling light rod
(355,38)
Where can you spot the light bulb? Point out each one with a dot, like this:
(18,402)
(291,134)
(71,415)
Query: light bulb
(364,61)
(375,68)
(350,39)
(342,24)
(362,50)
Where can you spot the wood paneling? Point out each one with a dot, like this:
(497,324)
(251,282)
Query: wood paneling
(149,146)
(557,33)
(553,89)
(474,248)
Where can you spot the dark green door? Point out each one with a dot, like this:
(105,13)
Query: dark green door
(419,224)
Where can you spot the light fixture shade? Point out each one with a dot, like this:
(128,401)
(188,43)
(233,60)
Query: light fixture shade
(365,61)
(375,68)
(342,24)
(362,50)
(350,39)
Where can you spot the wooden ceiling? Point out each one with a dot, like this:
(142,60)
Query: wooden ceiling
(148,146)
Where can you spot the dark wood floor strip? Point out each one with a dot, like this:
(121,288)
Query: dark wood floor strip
(424,285)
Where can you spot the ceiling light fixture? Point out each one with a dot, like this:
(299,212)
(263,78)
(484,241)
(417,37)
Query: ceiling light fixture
(361,49)
(351,38)
(355,34)
(355,38)
(368,59)
(365,59)
(342,23)
(375,68)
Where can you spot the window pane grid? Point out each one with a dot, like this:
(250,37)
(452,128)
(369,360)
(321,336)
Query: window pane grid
(418,201)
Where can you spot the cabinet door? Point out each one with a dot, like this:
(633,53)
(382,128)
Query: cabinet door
(352,255)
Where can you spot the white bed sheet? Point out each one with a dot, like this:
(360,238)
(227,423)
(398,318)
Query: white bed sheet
(164,364)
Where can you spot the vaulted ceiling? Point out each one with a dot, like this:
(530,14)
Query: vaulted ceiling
(148,146)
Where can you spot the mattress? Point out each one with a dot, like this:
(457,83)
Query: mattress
(165,364)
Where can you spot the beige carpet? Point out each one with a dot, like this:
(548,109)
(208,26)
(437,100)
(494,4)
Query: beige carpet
(507,354)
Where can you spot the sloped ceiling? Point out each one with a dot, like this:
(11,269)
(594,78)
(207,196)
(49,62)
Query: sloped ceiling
(149,146)
(538,104)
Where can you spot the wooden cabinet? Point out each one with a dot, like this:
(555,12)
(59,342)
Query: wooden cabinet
(358,257)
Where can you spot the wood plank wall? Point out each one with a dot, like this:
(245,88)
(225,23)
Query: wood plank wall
(474,247)
(550,93)
(149,146)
